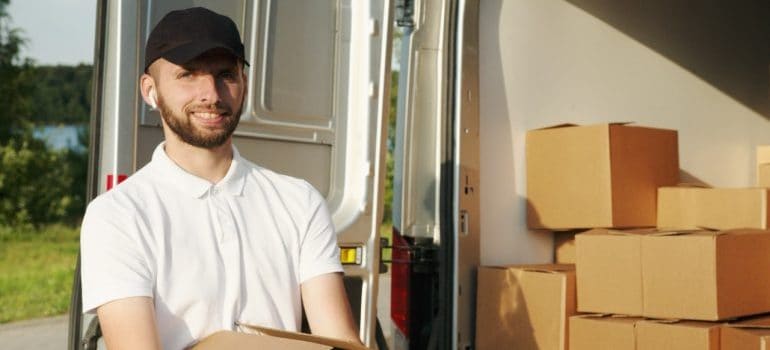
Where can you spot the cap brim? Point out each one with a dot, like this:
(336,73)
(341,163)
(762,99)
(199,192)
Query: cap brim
(187,52)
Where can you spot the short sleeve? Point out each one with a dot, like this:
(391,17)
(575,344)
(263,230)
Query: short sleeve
(319,252)
(113,264)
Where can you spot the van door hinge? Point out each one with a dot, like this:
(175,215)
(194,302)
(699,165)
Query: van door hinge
(405,13)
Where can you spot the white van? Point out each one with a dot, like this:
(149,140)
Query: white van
(474,76)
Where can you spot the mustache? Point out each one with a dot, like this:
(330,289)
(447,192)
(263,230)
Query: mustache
(209,108)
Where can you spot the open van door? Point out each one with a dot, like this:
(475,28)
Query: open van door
(436,177)
(317,109)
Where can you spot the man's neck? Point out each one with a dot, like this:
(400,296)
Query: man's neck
(210,164)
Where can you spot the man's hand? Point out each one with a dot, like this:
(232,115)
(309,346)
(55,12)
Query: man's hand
(327,308)
(129,324)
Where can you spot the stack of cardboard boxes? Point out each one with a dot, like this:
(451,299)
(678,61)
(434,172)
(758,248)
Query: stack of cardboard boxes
(660,266)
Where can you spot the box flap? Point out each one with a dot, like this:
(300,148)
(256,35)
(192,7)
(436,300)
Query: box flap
(692,185)
(592,316)
(685,323)
(761,322)
(748,326)
(544,268)
(743,231)
(556,126)
(666,321)
(310,338)
(609,231)
(569,125)
(663,233)
(550,268)
(608,316)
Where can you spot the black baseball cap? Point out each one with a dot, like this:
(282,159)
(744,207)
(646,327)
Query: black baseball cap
(182,35)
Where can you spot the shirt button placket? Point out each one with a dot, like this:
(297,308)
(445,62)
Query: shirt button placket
(229,246)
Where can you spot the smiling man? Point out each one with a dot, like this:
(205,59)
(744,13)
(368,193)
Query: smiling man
(200,239)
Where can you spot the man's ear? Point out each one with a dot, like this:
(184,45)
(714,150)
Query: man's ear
(149,90)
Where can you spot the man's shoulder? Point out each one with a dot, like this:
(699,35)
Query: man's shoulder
(125,196)
(280,181)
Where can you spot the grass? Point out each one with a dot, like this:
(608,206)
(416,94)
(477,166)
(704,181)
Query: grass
(36,270)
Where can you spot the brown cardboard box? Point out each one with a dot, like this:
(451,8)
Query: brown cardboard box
(763,166)
(524,306)
(598,176)
(750,334)
(609,271)
(564,247)
(268,338)
(712,208)
(704,275)
(677,335)
(596,331)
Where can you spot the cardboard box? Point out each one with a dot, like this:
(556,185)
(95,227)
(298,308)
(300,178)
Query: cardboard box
(677,335)
(598,176)
(596,331)
(750,334)
(609,271)
(704,275)
(524,306)
(712,208)
(564,247)
(763,166)
(268,338)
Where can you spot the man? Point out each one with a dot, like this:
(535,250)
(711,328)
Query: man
(200,239)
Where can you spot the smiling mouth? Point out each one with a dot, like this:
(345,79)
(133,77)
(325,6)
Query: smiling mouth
(210,115)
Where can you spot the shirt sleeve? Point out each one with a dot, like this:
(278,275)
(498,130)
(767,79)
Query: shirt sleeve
(319,252)
(113,266)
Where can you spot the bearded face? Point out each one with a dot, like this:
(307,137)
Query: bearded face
(217,123)
(200,101)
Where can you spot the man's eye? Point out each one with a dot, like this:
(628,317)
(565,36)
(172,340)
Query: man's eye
(184,74)
(227,75)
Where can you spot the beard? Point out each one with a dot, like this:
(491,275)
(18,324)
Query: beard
(184,128)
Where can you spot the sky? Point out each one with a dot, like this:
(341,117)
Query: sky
(57,31)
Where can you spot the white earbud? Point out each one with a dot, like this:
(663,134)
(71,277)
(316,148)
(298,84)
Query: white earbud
(153,99)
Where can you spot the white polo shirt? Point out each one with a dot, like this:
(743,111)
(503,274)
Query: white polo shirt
(209,255)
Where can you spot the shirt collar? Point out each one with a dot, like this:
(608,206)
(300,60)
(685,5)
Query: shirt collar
(195,186)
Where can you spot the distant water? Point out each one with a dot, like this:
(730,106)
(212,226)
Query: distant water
(60,136)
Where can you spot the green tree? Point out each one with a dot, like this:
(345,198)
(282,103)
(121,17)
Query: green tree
(14,85)
(387,215)
(62,94)
(36,183)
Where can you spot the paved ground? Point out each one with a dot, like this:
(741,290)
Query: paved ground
(42,334)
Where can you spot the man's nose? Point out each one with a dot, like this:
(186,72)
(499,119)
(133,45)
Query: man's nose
(208,89)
